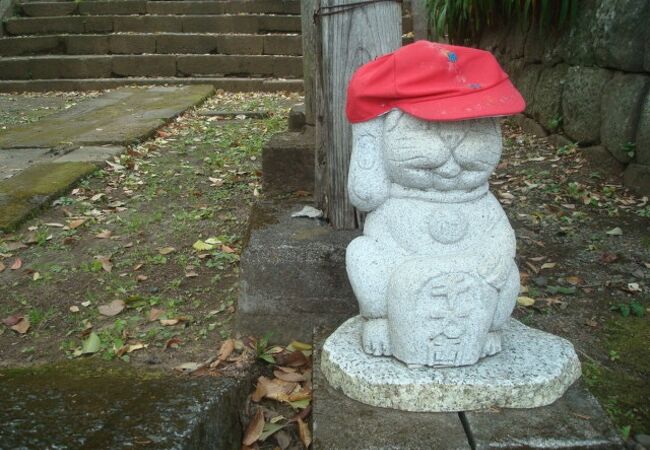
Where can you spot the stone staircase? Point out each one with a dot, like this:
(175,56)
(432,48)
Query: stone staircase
(236,45)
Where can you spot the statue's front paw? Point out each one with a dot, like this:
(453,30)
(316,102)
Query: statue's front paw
(375,337)
(492,344)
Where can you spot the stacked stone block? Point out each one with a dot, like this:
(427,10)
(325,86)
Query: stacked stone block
(589,81)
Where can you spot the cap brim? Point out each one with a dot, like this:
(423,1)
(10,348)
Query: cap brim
(502,99)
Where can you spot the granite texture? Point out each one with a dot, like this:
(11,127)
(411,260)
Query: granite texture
(575,421)
(340,423)
(434,271)
(533,369)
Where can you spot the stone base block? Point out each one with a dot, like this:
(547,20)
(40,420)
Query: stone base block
(292,274)
(533,369)
(340,423)
(288,162)
(575,421)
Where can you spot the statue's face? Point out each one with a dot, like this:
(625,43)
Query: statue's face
(443,156)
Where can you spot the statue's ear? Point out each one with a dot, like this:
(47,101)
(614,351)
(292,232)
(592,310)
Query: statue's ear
(368,183)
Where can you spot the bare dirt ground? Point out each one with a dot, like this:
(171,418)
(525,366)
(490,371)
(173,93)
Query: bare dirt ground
(584,256)
(140,261)
(153,240)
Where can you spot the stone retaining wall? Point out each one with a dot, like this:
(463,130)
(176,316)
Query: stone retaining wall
(589,81)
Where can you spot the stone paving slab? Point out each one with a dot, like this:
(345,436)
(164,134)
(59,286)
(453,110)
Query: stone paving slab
(94,154)
(122,116)
(92,405)
(32,188)
(344,424)
(11,163)
(574,421)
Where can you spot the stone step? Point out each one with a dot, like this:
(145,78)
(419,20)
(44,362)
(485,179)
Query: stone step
(100,7)
(230,84)
(161,43)
(244,23)
(96,66)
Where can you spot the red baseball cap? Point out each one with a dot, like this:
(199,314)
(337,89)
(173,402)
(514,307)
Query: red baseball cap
(433,81)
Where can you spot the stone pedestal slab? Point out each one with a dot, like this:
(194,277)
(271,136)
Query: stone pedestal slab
(575,421)
(533,369)
(340,423)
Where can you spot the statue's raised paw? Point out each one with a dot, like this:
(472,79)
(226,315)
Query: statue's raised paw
(376,340)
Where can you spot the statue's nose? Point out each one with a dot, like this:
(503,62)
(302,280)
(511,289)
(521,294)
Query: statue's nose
(449,169)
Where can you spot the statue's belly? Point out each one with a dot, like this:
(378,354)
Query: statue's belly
(424,228)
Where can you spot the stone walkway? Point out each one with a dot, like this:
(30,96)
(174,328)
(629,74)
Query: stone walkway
(40,160)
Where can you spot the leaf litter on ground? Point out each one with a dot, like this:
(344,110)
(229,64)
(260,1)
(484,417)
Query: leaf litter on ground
(284,393)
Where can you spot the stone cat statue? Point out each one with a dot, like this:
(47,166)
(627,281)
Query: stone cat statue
(434,272)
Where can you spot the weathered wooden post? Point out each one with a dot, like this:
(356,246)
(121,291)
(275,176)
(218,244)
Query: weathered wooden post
(351,33)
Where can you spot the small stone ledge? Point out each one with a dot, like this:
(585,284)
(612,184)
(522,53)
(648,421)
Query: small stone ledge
(288,162)
(292,273)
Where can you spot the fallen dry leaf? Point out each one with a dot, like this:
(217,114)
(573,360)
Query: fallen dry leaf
(226,249)
(142,277)
(226,349)
(54,225)
(187,367)
(134,347)
(304,433)
(22,326)
(608,258)
(616,231)
(13,246)
(155,313)
(166,250)
(76,223)
(36,276)
(254,428)
(107,265)
(12,320)
(172,342)
(216,182)
(293,359)
(74,309)
(549,265)
(525,301)
(18,263)
(274,389)
(112,309)
(104,234)
(291,377)
(191,274)
(169,322)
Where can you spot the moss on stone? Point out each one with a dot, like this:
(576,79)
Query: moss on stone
(31,188)
(622,387)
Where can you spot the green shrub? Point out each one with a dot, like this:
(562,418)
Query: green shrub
(463,20)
